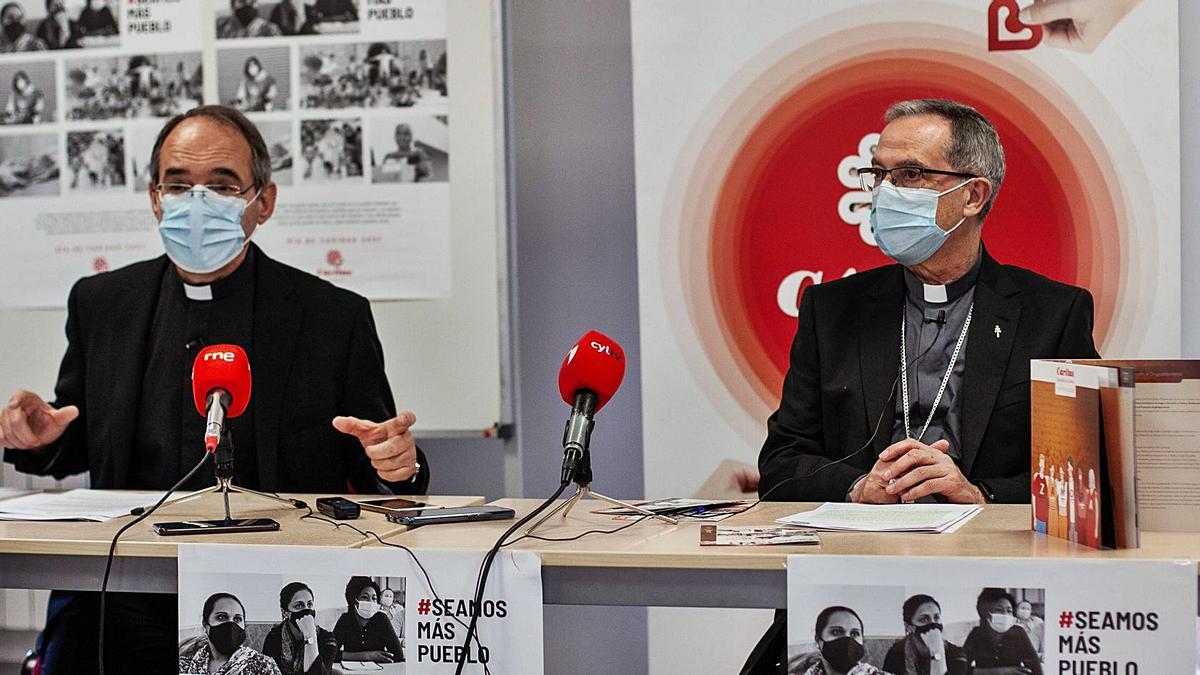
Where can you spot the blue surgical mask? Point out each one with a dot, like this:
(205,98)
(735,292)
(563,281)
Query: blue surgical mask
(904,222)
(201,230)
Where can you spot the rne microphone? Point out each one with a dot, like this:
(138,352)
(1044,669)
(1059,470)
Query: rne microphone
(591,373)
(220,388)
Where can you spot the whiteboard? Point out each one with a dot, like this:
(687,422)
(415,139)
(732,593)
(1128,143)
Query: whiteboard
(446,358)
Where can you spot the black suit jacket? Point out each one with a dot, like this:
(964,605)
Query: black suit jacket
(316,356)
(843,371)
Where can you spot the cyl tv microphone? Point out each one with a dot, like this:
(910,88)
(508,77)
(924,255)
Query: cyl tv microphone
(591,373)
(220,388)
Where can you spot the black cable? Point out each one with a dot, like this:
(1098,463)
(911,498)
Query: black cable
(581,535)
(112,548)
(481,581)
(369,533)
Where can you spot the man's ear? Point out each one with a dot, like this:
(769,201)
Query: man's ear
(979,191)
(266,202)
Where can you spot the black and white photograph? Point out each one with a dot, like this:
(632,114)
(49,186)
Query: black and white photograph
(254,80)
(39,25)
(278,136)
(410,74)
(331,149)
(410,149)
(29,165)
(128,87)
(897,630)
(139,143)
(261,623)
(237,19)
(95,160)
(27,93)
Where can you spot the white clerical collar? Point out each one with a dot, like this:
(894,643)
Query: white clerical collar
(935,293)
(198,292)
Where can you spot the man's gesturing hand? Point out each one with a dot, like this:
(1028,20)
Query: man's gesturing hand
(919,470)
(389,445)
(27,422)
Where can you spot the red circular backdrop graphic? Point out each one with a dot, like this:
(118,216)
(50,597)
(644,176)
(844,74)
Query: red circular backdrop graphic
(776,209)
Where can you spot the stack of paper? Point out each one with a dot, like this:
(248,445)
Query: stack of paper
(79,504)
(711,510)
(931,518)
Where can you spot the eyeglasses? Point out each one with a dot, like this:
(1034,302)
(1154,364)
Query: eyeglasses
(869,177)
(222,189)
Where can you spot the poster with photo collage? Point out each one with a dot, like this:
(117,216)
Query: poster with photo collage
(351,98)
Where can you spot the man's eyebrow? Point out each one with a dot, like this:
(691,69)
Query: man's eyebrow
(225,171)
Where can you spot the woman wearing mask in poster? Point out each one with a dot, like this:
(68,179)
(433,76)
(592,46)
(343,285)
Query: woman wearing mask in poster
(25,102)
(224,651)
(258,88)
(363,632)
(394,611)
(997,646)
(13,36)
(1033,625)
(839,636)
(97,20)
(923,651)
(57,30)
(298,645)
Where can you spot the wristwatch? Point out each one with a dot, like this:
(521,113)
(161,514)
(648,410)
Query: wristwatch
(310,640)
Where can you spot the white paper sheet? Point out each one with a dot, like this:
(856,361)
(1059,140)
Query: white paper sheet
(885,518)
(80,504)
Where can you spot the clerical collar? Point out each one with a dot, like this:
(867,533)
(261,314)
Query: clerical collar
(240,278)
(920,293)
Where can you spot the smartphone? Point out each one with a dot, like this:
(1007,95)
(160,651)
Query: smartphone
(451,515)
(217,526)
(391,505)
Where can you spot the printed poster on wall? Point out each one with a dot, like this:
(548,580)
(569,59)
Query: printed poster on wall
(749,119)
(351,97)
(367,609)
(1061,617)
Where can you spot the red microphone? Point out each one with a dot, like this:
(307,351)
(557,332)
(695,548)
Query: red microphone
(220,388)
(595,364)
(591,373)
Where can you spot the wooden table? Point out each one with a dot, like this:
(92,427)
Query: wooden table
(71,555)
(653,563)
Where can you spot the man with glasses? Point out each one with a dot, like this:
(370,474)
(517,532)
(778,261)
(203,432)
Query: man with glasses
(911,381)
(321,420)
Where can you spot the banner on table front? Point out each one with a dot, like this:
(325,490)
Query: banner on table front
(350,96)
(426,610)
(749,118)
(1071,617)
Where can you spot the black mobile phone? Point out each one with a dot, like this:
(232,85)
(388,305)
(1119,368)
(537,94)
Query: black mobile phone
(338,508)
(390,504)
(217,526)
(460,514)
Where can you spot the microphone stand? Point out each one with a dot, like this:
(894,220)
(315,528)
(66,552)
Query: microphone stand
(583,481)
(224,472)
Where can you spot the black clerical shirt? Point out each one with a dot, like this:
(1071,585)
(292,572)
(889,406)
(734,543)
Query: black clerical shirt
(169,439)
(929,346)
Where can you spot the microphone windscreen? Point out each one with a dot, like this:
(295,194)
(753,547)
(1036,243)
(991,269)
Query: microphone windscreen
(596,363)
(222,367)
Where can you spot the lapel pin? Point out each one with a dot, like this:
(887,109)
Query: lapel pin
(997,331)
